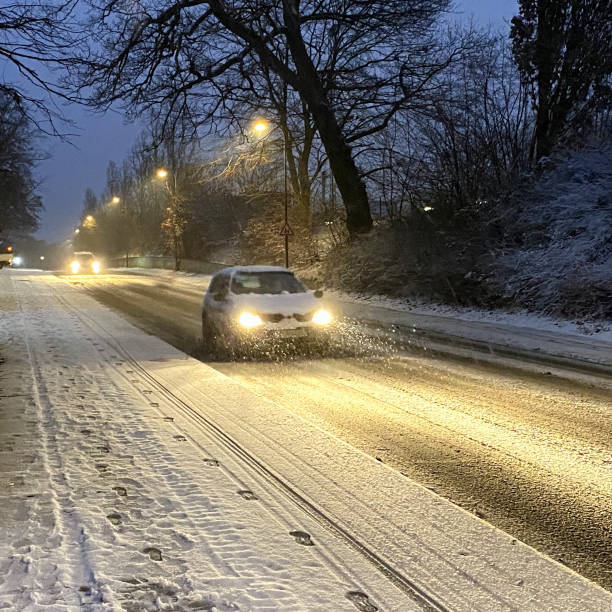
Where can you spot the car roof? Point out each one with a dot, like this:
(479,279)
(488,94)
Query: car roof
(83,253)
(233,269)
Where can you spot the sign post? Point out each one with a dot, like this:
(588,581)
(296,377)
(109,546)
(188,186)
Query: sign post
(286,231)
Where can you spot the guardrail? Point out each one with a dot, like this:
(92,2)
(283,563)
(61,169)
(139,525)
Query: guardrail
(166,262)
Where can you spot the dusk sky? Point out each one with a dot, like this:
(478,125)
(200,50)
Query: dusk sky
(71,168)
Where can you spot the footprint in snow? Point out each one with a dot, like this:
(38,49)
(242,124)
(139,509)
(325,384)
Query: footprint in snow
(86,432)
(114,518)
(121,491)
(101,467)
(154,404)
(301,537)
(180,438)
(248,495)
(211,462)
(361,601)
(168,418)
(154,553)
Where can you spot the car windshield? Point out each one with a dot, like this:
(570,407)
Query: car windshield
(266,282)
(83,257)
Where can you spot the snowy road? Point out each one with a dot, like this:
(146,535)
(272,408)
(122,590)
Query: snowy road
(530,454)
(138,478)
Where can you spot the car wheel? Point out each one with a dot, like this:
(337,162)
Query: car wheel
(208,334)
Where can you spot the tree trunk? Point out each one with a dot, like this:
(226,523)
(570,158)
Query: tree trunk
(346,174)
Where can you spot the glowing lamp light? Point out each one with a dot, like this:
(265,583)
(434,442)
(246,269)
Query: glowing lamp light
(161,173)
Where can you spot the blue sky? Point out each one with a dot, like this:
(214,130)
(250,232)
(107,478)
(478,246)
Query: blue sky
(71,168)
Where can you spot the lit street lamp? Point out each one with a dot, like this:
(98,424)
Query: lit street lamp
(116,200)
(261,126)
(161,173)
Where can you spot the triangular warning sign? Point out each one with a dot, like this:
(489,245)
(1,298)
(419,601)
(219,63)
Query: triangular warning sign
(286,230)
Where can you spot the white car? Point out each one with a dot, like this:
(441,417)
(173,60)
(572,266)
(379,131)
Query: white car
(246,304)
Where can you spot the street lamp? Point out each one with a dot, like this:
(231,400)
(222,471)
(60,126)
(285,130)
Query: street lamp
(115,200)
(161,173)
(261,126)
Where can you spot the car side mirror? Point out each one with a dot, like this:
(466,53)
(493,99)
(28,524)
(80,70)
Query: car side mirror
(318,293)
(219,296)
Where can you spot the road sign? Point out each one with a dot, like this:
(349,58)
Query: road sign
(286,230)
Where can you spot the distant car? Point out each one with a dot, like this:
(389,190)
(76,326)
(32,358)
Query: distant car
(246,304)
(84,262)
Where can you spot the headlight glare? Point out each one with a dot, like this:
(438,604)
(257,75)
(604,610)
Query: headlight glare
(321,317)
(74,266)
(248,319)
(95,266)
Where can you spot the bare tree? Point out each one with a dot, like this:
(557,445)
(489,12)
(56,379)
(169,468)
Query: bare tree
(563,49)
(36,37)
(189,53)
(21,205)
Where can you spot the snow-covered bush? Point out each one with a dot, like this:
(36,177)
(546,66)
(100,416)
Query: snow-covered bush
(558,255)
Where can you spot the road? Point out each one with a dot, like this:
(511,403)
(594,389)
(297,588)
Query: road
(529,453)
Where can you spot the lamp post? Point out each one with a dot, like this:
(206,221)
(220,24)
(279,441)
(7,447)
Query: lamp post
(116,200)
(261,126)
(176,220)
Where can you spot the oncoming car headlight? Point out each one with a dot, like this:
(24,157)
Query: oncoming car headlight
(95,266)
(248,319)
(74,266)
(321,317)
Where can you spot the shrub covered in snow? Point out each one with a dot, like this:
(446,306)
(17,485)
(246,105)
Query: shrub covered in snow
(546,249)
(558,241)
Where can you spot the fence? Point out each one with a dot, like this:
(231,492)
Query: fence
(165,262)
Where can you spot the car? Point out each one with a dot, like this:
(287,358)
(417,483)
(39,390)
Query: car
(84,262)
(248,304)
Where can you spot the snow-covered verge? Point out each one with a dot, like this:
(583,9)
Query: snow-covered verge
(547,249)
(559,259)
(145,480)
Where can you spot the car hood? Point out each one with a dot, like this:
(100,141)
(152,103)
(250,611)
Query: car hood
(284,303)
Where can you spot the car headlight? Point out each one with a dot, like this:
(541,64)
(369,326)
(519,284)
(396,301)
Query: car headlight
(248,319)
(321,317)
(95,266)
(74,266)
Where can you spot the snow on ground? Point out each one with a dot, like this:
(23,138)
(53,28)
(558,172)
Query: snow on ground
(137,478)
(519,318)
